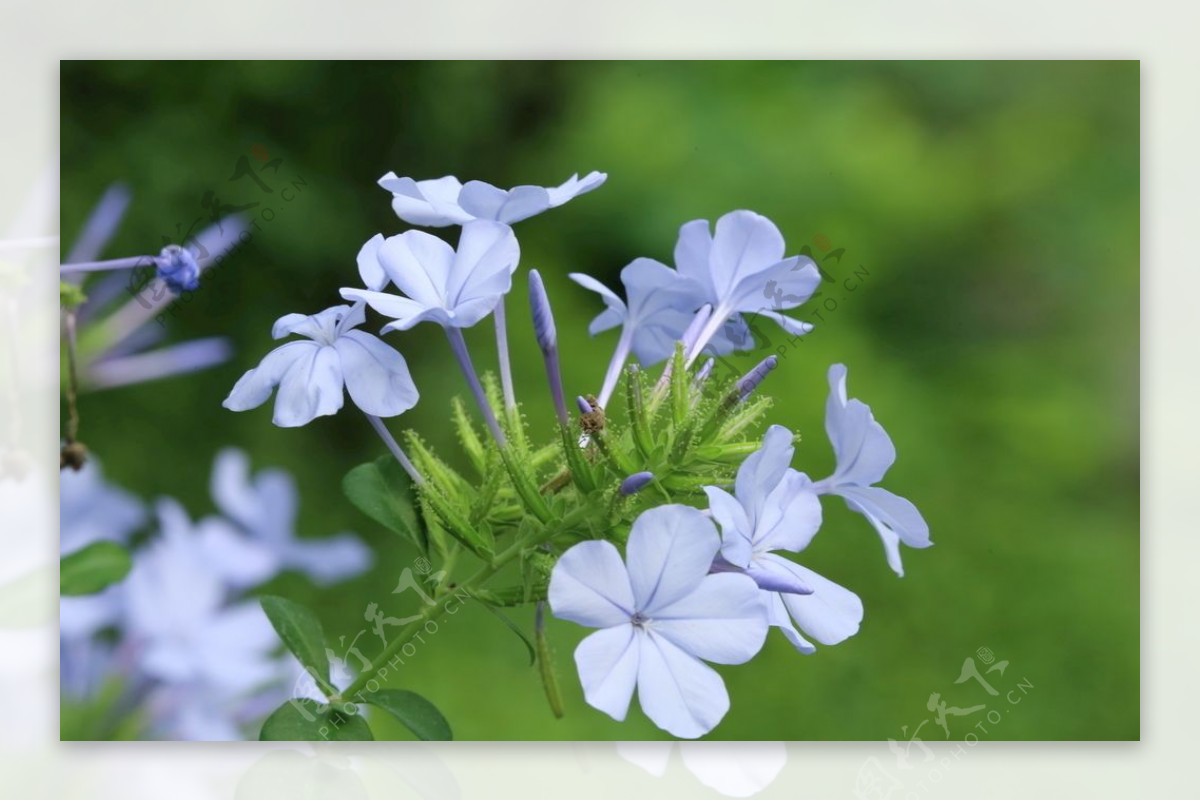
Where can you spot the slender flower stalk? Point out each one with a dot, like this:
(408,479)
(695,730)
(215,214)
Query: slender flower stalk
(710,329)
(688,340)
(506,380)
(547,339)
(458,344)
(108,264)
(393,446)
(703,374)
(616,365)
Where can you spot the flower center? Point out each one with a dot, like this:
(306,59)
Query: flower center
(639,620)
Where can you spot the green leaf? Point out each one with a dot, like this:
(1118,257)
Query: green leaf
(380,491)
(305,719)
(416,713)
(70,295)
(301,633)
(93,568)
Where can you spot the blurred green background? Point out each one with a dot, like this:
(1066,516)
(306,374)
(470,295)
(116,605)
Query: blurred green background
(991,210)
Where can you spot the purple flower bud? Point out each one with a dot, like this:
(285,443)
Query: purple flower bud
(635,482)
(543,318)
(178,269)
(547,339)
(750,381)
(584,406)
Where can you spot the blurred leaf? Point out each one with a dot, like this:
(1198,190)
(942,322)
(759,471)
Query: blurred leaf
(93,568)
(305,719)
(301,633)
(420,716)
(380,491)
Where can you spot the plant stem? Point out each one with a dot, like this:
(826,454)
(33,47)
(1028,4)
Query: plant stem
(458,344)
(111,264)
(506,380)
(619,357)
(395,448)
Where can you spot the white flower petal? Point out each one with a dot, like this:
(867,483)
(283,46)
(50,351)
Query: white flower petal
(608,668)
(419,265)
(485,202)
(723,620)
(483,265)
(330,559)
(830,614)
(779,617)
(575,186)
(895,518)
(670,551)
(405,312)
(312,387)
(677,691)
(736,532)
(744,245)
(255,386)
(762,470)
(739,770)
(369,267)
(376,375)
(692,251)
(790,515)
(433,202)
(590,586)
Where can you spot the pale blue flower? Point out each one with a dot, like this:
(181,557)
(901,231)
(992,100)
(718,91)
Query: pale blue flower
(178,616)
(741,269)
(453,288)
(660,307)
(310,374)
(659,613)
(446,201)
(264,507)
(774,508)
(864,453)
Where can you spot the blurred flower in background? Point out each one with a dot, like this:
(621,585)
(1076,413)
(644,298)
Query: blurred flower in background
(179,649)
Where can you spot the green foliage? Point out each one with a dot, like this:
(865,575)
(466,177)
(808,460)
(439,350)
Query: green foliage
(89,570)
(303,719)
(380,490)
(302,635)
(416,713)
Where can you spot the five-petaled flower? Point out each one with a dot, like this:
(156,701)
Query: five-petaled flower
(775,509)
(447,201)
(659,613)
(311,373)
(864,453)
(453,288)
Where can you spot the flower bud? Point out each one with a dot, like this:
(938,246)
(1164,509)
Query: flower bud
(750,381)
(635,482)
(178,269)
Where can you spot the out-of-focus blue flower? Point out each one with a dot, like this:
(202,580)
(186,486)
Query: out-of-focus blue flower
(264,507)
(453,288)
(311,374)
(178,269)
(446,201)
(864,454)
(774,508)
(177,610)
(659,613)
